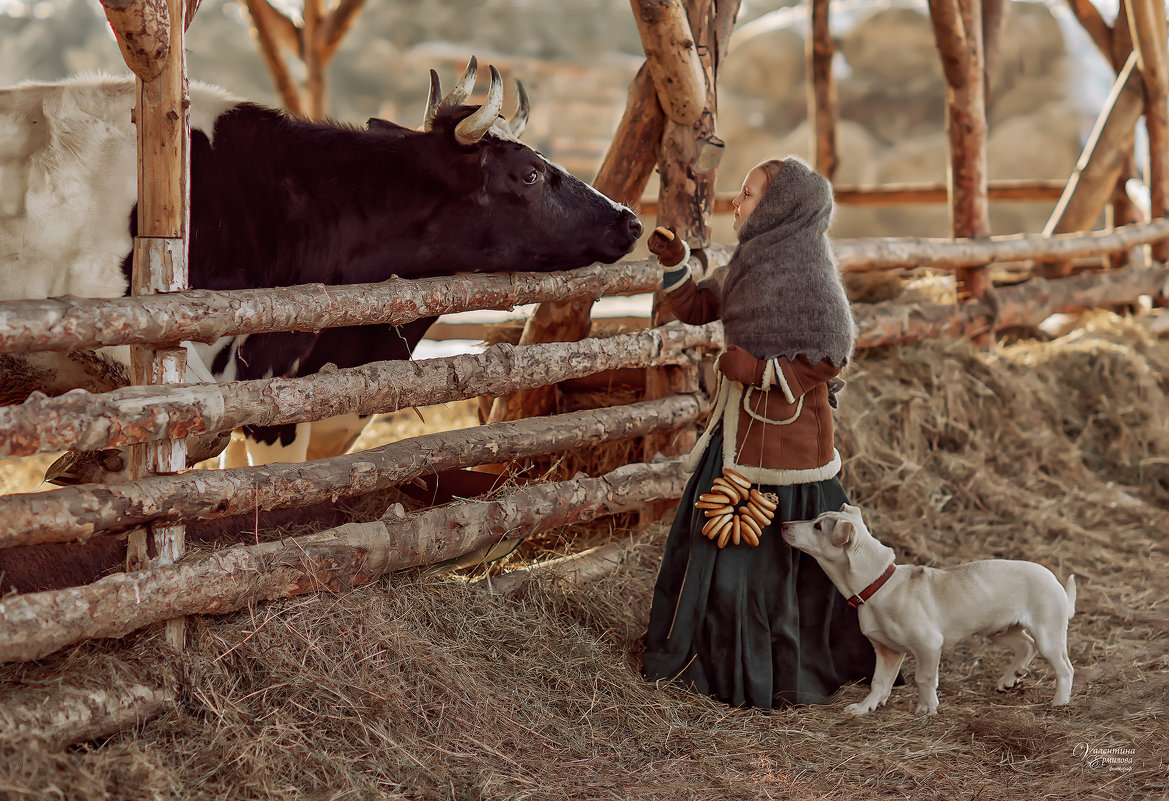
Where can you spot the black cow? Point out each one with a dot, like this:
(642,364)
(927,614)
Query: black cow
(279,201)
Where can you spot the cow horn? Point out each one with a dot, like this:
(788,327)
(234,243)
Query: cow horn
(520,120)
(463,88)
(471,129)
(432,102)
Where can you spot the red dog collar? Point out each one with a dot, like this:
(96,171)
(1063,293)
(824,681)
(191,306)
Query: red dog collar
(868,591)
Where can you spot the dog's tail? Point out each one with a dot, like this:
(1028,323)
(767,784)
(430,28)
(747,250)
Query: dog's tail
(1069,587)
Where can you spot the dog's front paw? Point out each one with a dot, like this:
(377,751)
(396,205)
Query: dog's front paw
(924,708)
(858,709)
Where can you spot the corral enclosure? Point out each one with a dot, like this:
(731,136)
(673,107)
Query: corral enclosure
(425,685)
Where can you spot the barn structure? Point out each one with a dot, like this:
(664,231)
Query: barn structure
(669,125)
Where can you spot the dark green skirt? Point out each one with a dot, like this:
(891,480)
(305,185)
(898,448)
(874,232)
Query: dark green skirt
(757,626)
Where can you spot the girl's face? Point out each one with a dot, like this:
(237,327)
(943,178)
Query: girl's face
(749,196)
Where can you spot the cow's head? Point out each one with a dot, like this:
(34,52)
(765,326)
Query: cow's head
(499,205)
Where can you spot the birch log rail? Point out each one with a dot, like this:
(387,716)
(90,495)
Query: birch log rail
(37,624)
(203,316)
(862,255)
(1026,304)
(80,420)
(73,513)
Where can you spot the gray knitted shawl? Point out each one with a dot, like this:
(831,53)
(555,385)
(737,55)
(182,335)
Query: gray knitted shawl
(781,292)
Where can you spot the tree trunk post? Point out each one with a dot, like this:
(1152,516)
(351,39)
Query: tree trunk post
(1147,26)
(160,264)
(958,30)
(822,90)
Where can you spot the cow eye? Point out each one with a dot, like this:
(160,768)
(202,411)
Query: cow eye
(532,177)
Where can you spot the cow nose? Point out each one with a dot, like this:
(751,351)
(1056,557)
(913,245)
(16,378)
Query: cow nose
(633,226)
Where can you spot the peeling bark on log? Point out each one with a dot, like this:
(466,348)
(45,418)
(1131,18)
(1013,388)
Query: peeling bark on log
(1026,304)
(83,421)
(862,255)
(203,316)
(822,90)
(1101,162)
(34,625)
(79,512)
(633,153)
(577,569)
(671,51)
(65,715)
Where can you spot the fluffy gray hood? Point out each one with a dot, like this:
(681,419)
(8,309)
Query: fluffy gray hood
(781,292)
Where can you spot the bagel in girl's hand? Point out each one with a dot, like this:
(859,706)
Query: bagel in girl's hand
(667,246)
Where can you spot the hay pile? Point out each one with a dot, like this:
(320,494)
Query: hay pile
(422,688)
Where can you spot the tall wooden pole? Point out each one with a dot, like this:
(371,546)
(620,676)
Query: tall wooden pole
(1147,24)
(822,90)
(688,165)
(958,31)
(160,263)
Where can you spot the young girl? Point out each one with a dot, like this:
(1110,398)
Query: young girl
(737,613)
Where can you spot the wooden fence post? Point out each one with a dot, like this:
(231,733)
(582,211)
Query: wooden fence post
(160,264)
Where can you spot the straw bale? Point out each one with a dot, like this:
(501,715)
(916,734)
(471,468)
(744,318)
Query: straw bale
(423,687)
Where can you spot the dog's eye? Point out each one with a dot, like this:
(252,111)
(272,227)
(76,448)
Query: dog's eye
(818,525)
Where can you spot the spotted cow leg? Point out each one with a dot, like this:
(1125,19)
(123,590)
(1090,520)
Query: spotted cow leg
(271,444)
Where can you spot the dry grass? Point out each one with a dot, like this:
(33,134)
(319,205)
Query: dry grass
(424,688)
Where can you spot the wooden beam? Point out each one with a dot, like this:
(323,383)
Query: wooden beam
(37,624)
(72,513)
(671,53)
(335,26)
(84,421)
(862,255)
(273,29)
(1027,305)
(822,90)
(1099,31)
(62,714)
(576,569)
(633,153)
(1101,162)
(1147,26)
(896,194)
(162,116)
(66,324)
(958,31)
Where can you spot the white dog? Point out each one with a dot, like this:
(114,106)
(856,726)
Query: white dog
(1020,605)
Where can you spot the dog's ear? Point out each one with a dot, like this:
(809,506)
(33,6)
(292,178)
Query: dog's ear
(842,533)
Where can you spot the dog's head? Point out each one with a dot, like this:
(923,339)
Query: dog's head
(832,537)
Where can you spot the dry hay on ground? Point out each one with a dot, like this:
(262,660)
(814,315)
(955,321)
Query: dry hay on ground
(430,688)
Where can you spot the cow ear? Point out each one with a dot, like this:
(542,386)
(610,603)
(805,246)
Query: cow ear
(842,533)
(385,126)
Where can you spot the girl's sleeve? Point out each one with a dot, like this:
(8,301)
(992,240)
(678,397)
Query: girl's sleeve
(693,303)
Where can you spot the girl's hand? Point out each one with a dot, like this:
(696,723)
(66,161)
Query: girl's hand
(665,244)
(739,365)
